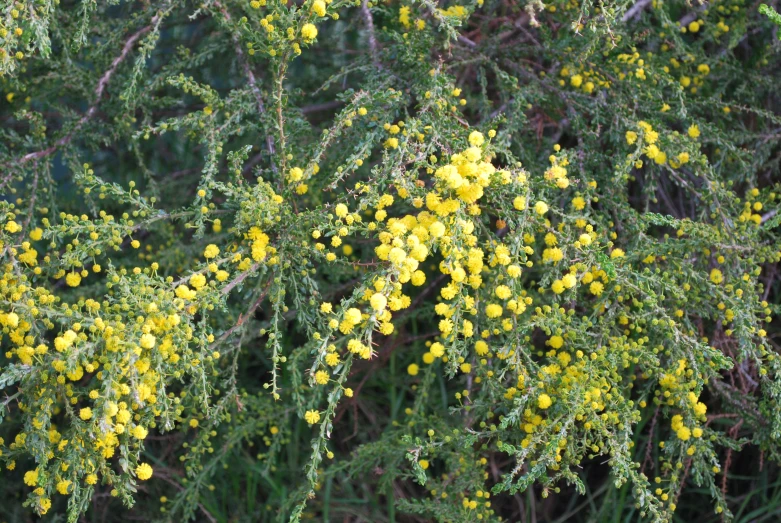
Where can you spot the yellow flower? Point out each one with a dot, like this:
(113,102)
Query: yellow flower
(694,131)
(378,302)
(312,417)
(436,229)
(45,505)
(413,369)
(493,310)
(147,341)
(198,281)
(73,279)
(404,13)
(544,401)
(716,276)
(85,413)
(36,234)
(418,278)
(353,316)
(144,471)
(211,251)
(318,7)
(309,32)
(321,377)
(31,478)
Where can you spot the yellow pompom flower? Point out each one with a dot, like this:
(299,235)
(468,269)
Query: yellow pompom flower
(312,417)
(378,302)
(36,234)
(144,471)
(493,310)
(716,276)
(318,7)
(321,377)
(309,32)
(139,432)
(73,279)
(31,478)
(147,341)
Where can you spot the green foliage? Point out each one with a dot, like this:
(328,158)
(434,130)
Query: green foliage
(771,13)
(339,260)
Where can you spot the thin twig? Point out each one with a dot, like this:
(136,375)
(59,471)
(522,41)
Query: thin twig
(367,15)
(253,83)
(635,10)
(99,92)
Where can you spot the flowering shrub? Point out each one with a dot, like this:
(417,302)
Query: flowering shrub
(279,261)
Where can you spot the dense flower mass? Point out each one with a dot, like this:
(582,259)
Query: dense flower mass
(332,259)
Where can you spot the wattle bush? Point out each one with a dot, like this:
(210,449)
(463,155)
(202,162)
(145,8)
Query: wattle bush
(344,261)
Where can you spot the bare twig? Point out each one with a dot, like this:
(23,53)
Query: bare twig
(367,16)
(243,318)
(635,10)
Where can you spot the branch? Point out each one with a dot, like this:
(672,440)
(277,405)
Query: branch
(367,15)
(635,10)
(99,92)
(253,83)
